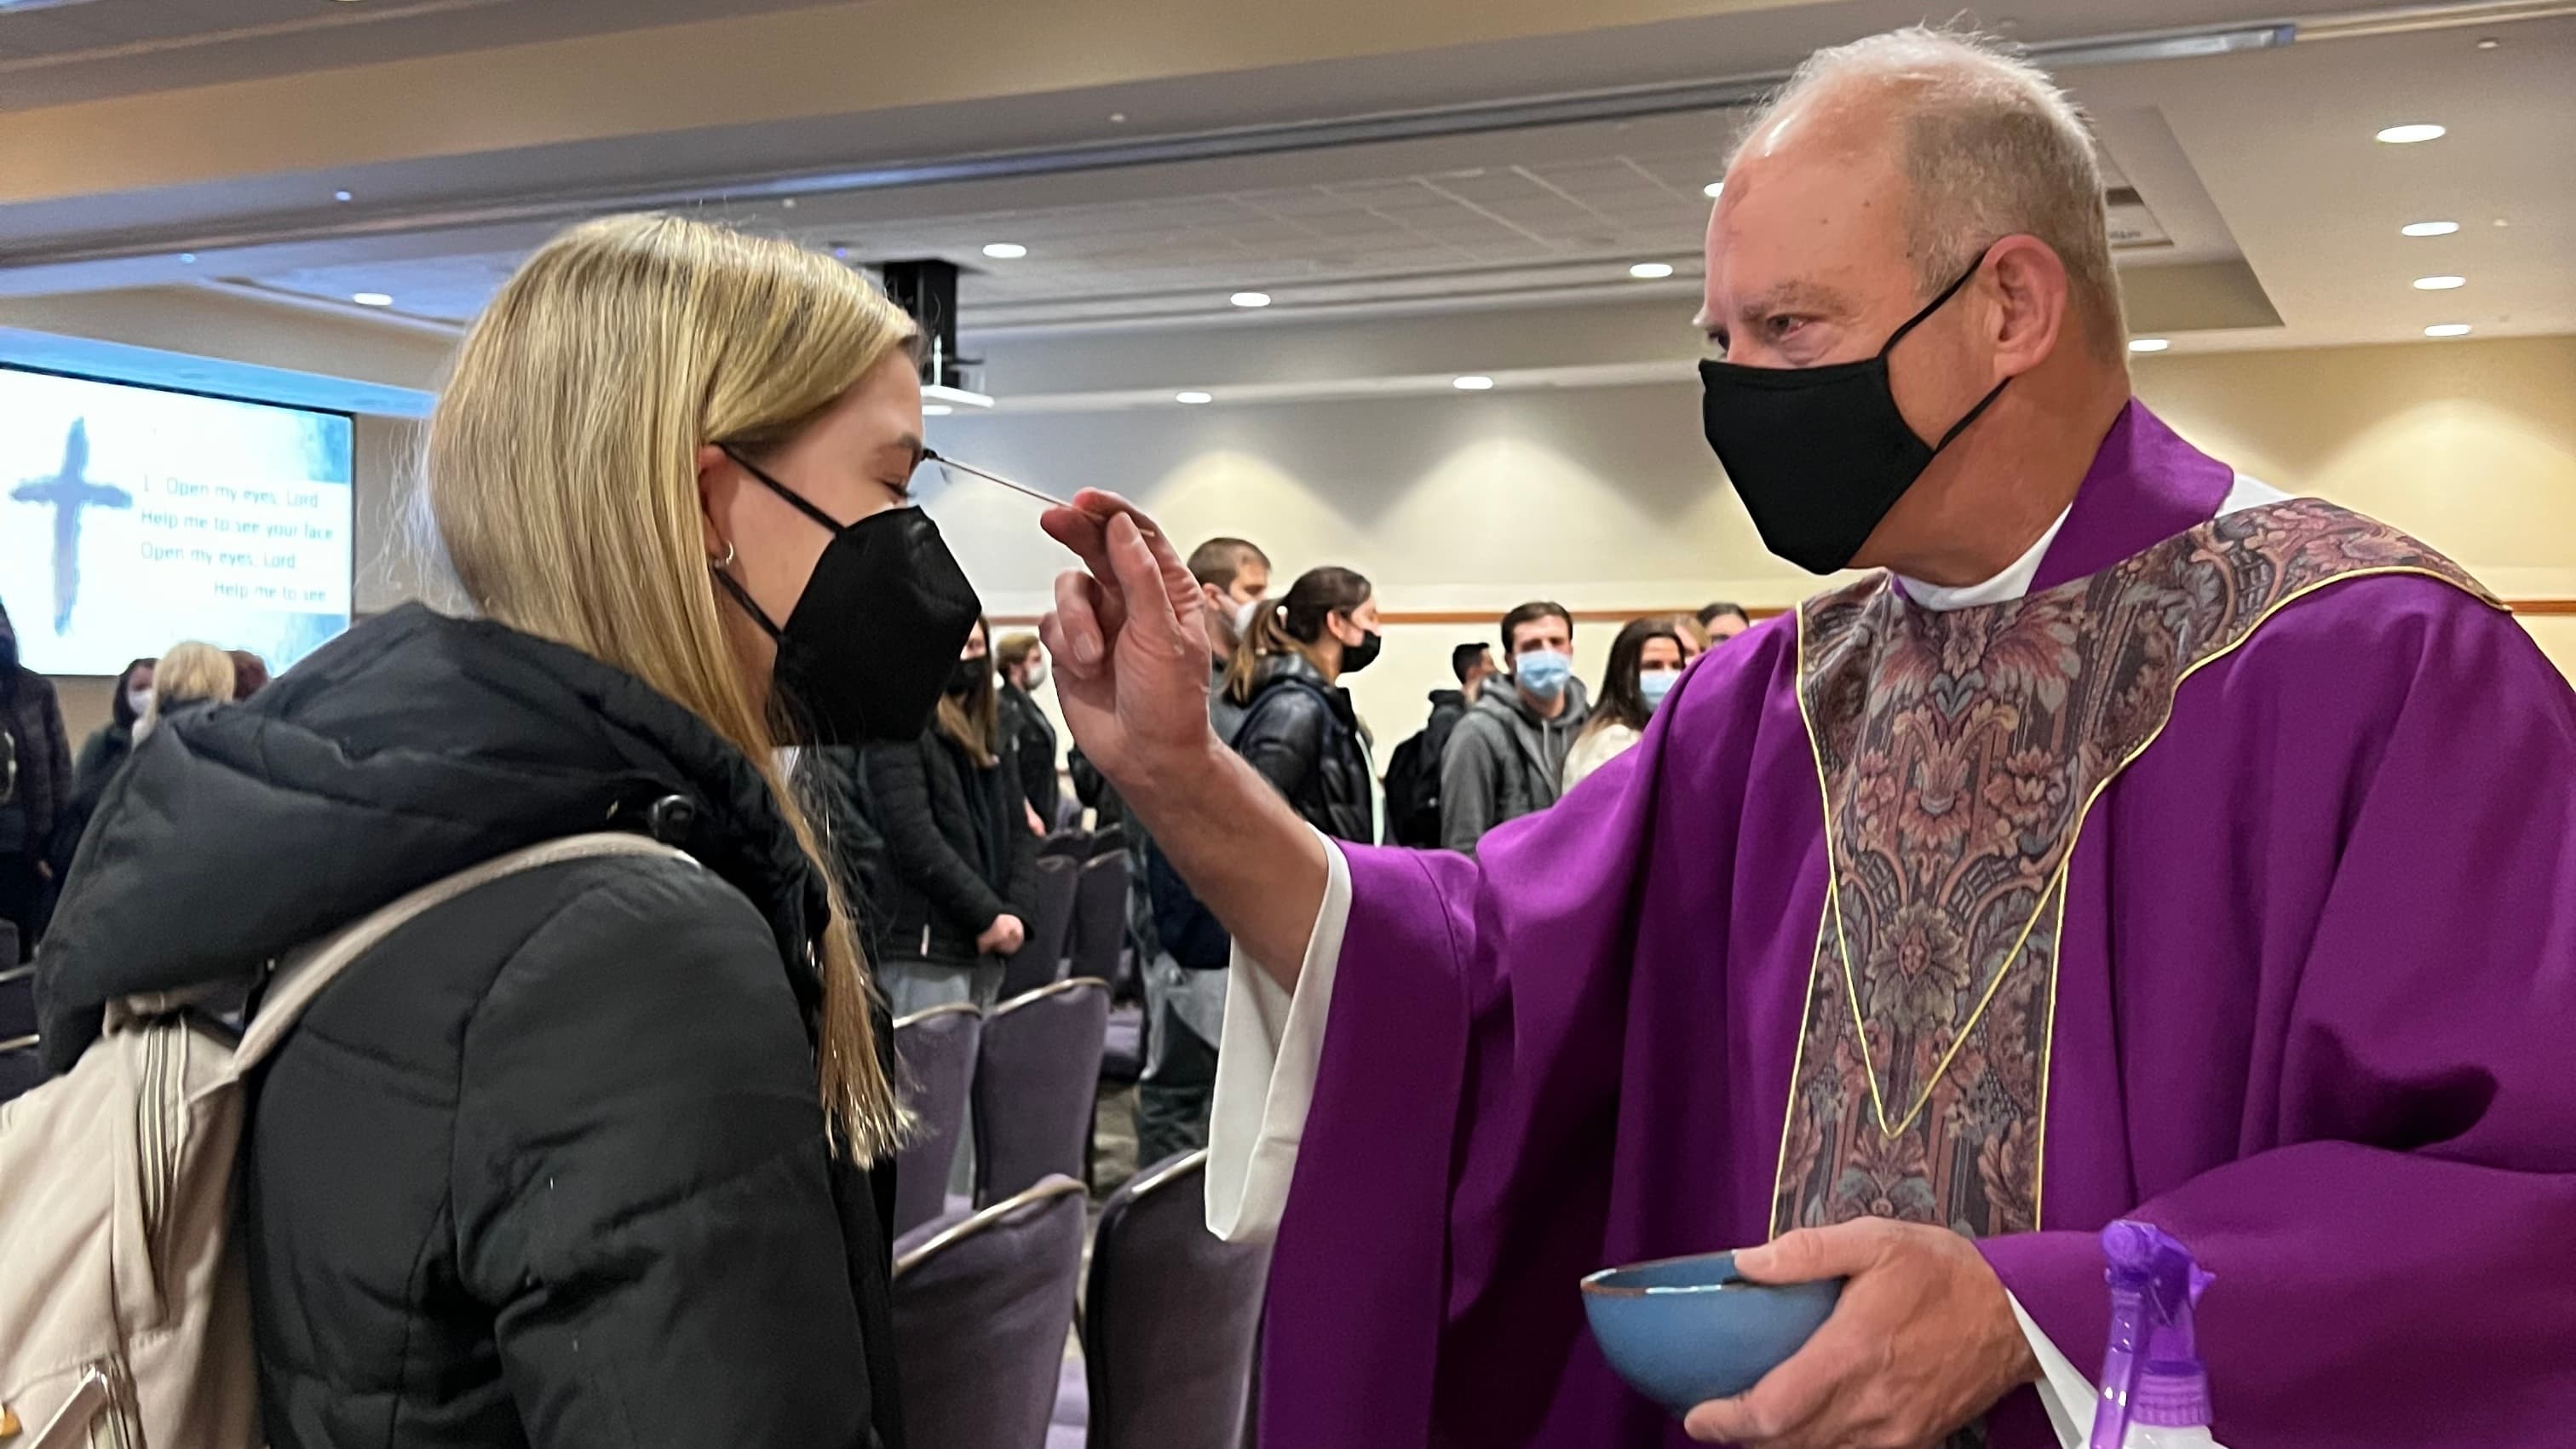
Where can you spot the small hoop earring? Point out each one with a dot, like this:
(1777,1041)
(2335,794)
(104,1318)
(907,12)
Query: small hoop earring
(721,564)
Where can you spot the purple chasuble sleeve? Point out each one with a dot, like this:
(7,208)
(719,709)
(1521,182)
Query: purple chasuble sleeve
(1535,1065)
(2332,1050)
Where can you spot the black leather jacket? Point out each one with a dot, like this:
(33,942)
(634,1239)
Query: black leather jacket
(1301,734)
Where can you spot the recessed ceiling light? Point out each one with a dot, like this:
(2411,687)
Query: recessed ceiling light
(2447,329)
(1650,271)
(372,299)
(1118,118)
(1472,382)
(340,196)
(2488,42)
(2412,132)
(2428,228)
(2148,344)
(936,410)
(789,203)
(1250,299)
(187,259)
(1194,398)
(2500,221)
(1712,189)
(1005,251)
(2439,284)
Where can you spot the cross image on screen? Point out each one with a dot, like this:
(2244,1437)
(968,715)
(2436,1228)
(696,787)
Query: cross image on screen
(132,518)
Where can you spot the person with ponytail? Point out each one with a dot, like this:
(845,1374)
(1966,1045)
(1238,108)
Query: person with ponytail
(961,859)
(1299,729)
(592,1154)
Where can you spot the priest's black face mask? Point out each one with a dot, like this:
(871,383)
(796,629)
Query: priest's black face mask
(1820,454)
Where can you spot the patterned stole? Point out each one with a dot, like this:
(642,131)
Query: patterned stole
(1958,753)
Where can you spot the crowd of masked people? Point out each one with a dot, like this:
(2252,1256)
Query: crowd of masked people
(47,793)
(1510,740)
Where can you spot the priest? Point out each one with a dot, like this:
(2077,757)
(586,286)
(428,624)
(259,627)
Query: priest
(2129,840)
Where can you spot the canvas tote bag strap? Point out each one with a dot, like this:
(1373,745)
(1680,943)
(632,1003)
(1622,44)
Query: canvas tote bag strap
(312,968)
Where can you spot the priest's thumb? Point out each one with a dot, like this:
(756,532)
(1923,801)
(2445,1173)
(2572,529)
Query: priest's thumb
(1806,1254)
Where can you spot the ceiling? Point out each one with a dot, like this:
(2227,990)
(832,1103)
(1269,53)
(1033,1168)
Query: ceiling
(2263,213)
(58,51)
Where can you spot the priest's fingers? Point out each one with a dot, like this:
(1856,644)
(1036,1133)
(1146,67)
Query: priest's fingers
(1156,605)
(1806,1254)
(1072,631)
(1780,1412)
(1088,536)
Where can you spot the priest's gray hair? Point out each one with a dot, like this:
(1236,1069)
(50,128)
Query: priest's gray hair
(1992,148)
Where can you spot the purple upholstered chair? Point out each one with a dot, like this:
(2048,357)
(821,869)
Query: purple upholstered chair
(1169,1323)
(1040,960)
(936,1050)
(1036,1074)
(981,1310)
(20,1066)
(1100,917)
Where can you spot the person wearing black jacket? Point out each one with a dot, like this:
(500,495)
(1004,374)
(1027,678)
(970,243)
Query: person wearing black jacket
(1024,672)
(1298,727)
(585,1156)
(961,859)
(35,789)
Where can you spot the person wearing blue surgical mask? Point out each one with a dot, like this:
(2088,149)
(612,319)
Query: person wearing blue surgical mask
(1646,661)
(1506,759)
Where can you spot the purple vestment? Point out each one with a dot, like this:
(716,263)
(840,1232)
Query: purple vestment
(2314,987)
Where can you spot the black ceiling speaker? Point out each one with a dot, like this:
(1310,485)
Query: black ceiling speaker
(928,290)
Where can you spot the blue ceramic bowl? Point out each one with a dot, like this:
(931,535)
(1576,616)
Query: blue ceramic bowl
(1683,1331)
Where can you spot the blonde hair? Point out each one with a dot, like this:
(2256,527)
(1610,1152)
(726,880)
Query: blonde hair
(191,673)
(562,475)
(1991,147)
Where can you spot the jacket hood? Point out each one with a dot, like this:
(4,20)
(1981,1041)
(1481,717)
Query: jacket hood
(413,747)
(1448,699)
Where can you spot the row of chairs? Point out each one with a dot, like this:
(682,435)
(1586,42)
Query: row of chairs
(1077,924)
(1030,1070)
(1169,1321)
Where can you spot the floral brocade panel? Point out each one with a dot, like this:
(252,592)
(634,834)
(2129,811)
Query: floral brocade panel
(1958,753)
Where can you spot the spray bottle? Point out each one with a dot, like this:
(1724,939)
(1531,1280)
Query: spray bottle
(2154,1389)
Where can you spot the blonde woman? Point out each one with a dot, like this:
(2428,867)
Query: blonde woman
(190,674)
(584,1158)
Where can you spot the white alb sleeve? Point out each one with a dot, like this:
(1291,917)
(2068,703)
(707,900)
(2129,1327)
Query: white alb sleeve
(1265,1072)
(2063,1389)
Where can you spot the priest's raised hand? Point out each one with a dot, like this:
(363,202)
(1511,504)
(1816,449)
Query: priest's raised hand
(1131,653)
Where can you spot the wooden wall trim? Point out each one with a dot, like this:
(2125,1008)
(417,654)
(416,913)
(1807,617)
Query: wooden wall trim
(1488,619)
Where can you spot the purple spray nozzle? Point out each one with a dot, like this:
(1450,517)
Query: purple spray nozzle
(2151,1373)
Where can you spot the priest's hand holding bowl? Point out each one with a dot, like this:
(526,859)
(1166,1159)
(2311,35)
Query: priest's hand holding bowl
(1922,1341)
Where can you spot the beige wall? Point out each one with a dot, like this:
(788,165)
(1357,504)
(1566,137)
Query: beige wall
(2470,446)
(1608,497)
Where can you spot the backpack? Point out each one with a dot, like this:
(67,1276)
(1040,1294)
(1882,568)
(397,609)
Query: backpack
(1413,793)
(124,1307)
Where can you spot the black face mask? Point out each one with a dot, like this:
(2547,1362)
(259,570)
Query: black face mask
(1820,454)
(968,674)
(1356,657)
(874,637)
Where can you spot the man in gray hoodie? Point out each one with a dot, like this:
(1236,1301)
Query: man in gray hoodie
(1507,757)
